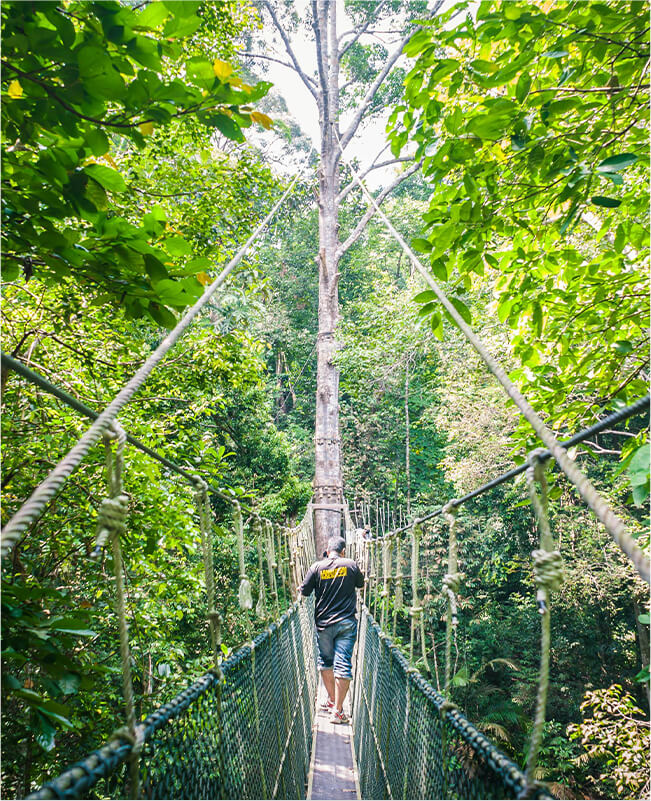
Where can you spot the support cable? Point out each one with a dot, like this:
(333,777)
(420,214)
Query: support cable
(74,403)
(613,524)
(111,524)
(548,573)
(640,405)
(50,486)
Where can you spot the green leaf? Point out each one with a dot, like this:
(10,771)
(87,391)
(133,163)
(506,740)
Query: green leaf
(421,245)
(616,163)
(427,309)
(228,127)
(440,269)
(644,619)
(178,246)
(638,467)
(623,346)
(485,67)
(153,14)
(107,177)
(607,202)
(620,239)
(200,71)
(463,310)
(98,142)
(488,126)
(436,324)
(425,297)
(162,315)
(522,87)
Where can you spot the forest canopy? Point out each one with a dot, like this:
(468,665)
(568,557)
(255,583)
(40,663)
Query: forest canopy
(142,144)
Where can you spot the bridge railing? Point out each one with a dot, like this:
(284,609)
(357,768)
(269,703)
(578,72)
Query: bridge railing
(242,732)
(410,742)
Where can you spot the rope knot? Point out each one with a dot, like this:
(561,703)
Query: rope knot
(451,582)
(548,570)
(111,521)
(450,510)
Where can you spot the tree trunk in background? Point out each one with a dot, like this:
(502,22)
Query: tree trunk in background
(643,640)
(328,485)
(280,402)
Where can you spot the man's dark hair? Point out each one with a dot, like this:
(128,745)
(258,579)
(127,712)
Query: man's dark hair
(336,544)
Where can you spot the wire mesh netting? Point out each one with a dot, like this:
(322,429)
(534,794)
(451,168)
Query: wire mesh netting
(408,744)
(246,735)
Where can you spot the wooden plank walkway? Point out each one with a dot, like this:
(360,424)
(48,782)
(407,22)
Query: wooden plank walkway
(333,772)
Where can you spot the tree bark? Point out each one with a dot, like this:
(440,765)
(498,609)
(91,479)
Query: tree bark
(328,485)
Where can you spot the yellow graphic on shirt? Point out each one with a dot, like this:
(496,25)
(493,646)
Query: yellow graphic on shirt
(334,573)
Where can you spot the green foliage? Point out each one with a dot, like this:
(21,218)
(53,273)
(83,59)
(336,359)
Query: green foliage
(617,736)
(532,120)
(80,82)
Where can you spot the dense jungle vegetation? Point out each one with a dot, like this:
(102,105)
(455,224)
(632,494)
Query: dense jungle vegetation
(136,162)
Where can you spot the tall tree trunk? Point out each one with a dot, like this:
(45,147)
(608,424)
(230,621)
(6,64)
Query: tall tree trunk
(328,486)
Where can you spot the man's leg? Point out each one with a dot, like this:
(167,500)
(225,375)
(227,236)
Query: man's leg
(324,659)
(329,680)
(341,688)
(343,652)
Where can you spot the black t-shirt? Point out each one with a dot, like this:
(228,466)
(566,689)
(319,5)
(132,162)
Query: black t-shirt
(333,580)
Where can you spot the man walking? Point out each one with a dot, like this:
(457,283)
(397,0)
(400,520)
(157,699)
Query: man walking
(334,580)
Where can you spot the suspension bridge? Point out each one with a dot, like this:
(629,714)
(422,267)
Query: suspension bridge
(248,728)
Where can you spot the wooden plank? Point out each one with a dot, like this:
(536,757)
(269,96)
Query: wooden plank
(333,773)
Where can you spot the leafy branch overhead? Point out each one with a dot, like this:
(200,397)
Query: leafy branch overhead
(83,81)
(532,122)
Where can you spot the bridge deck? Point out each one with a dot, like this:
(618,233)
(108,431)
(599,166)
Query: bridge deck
(333,772)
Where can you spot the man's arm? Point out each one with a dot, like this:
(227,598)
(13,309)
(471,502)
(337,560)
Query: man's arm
(309,582)
(359,578)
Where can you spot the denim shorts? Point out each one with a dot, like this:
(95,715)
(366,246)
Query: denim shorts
(336,643)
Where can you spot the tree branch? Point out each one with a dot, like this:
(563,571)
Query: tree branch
(290,52)
(361,225)
(379,79)
(359,31)
(349,187)
(278,61)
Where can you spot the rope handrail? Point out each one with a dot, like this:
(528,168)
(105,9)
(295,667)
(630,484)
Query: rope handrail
(640,405)
(226,689)
(50,486)
(74,403)
(613,524)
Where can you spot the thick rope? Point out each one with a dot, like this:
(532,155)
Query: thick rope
(205,527)
(416,609)
(398,599)
(451,582)
(244,593)
(387,547)
(615,527)
(34,505)
(260,607)
(111,525)
(548,570)
(272,564)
